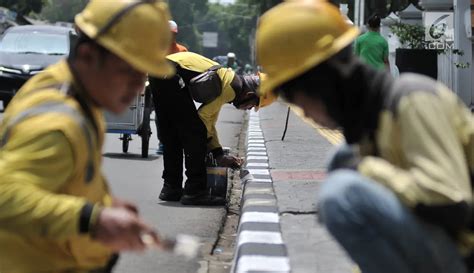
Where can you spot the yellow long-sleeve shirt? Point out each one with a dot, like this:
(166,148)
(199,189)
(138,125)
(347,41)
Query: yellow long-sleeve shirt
(46,181)
(425,144)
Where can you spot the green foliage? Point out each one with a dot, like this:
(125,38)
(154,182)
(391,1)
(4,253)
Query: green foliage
(62,10)
(410,36)
(187,13)
(235,25)
(23,7)
(263,5)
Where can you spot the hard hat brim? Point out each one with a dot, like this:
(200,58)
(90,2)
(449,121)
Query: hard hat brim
(162,69)
(272,82)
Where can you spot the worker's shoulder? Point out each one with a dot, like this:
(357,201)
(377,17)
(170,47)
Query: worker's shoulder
(185,55)
(411,84)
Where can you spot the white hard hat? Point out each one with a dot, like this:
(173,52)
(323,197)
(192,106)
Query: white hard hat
(231,55)
(173,26)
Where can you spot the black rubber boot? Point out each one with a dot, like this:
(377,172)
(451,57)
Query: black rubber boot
(170,194)
(202,199)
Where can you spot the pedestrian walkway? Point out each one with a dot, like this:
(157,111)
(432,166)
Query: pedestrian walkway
(279,201)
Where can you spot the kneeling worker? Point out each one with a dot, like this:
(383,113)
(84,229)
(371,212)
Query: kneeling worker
(185,128)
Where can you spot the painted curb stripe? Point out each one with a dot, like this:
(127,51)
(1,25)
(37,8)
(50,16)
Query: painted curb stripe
(262,237)
(260,247)
(250,263)
(262,217)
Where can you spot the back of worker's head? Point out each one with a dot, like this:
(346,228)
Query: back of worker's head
(297,36)
(136,31)
(374,21)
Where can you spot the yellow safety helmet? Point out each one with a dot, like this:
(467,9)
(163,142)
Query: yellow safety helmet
(296,35)
(267,98)
(136,31)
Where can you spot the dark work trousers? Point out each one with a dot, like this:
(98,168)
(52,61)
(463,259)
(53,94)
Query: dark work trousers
(181,129)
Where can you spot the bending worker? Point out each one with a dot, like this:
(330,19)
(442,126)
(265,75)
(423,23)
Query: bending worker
(185,128)
(398,195)
(56,211)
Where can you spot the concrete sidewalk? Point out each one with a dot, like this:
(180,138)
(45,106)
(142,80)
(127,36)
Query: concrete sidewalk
(296,167)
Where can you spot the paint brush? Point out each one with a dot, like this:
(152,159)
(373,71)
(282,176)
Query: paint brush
(183,245)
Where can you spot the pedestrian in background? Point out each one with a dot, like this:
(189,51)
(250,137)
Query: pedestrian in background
(371,47)
(185,128)
(398,195)
(175,48)
(56,211)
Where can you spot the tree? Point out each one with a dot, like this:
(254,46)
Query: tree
(263,5)
(186,13)
(23,7)
(235,25)
(62,10)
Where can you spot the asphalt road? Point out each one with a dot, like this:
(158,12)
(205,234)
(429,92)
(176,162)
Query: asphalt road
(139,180)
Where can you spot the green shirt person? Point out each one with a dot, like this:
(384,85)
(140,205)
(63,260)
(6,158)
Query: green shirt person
(371,47)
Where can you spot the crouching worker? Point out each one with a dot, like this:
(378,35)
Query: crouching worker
(183,127)
(398,195)
(56,211)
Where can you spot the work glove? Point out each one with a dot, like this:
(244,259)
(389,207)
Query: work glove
(345,157)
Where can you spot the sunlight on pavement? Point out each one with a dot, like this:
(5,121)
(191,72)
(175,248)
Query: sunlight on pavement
(335,137)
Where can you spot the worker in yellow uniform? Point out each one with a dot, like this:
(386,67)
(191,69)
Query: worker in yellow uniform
(183,127)
(56,212)
(398,196)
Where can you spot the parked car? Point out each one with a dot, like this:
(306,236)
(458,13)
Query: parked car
(26,51)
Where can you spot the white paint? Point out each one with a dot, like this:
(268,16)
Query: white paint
(256,141)
(255,137)
(260,180)
(256,149)
(256,145)
(258,164)
(259,202)
(248,263)
(259,171)
(257,157)
(258,191)
(260,217)
(263,237)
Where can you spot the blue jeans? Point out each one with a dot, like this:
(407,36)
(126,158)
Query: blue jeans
(379,233)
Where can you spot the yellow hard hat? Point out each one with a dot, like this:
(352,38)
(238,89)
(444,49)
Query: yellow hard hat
(267,98)
(295,36)
(136,31)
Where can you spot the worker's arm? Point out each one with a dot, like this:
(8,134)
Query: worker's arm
(435,181)
(209,113)
(33,172)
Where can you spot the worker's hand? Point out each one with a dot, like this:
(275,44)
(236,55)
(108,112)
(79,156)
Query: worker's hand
(120,203)
(122,230)
(229,161)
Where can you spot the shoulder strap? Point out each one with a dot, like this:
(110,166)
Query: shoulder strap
(215,67)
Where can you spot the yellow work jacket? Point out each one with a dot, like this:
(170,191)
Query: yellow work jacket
(423,150)
(209,113)
(50,172)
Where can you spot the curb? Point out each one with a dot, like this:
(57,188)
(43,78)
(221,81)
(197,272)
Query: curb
(260,246)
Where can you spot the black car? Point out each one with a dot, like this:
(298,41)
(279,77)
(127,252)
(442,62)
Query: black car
(28,50)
